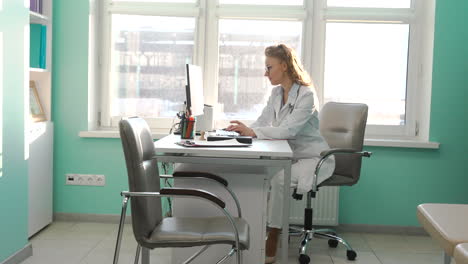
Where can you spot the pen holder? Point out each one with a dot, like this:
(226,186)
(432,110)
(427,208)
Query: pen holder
(187,128)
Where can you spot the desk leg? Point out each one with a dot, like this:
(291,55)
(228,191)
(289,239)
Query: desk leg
(285,231)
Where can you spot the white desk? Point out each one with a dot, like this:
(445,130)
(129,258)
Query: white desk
(262,154)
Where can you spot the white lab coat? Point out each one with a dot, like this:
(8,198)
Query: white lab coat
(297,121)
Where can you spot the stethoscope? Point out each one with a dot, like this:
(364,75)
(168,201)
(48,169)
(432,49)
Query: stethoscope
(291,106)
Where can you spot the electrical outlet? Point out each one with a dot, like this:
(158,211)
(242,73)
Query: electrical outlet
(71,179)
(99,180)
(85,179)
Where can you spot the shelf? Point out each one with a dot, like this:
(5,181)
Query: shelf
(38,70)
(40,135)
(38,18)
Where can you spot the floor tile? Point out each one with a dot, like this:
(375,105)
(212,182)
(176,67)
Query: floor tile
(423,244)
(51,251)
(362,258)
(410,258)
(99,256)
(314,258)
(385,242)
(94,243)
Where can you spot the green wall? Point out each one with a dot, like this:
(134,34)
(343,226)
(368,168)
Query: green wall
(394,181)
(14,180)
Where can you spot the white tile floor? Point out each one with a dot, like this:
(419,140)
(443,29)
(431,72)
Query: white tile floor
(93,243)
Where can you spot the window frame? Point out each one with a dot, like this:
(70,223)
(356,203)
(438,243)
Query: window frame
(109,8)
(417,108)
(314,15)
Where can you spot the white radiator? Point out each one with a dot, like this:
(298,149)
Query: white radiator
(325,208)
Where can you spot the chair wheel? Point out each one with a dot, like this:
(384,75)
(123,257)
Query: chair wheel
(332,243)
(304,259)
(351,254)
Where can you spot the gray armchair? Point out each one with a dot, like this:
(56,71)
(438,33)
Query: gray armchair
(150,229)
(342,125)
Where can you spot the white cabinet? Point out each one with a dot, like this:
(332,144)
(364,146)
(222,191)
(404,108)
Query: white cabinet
(40,175)
(40,134)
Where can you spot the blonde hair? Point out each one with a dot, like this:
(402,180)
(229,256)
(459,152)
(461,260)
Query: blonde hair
(287,55)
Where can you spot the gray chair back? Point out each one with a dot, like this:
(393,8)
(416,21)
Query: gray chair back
(343,126)
(143,175)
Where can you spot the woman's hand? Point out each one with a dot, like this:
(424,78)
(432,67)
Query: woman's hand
(241,128)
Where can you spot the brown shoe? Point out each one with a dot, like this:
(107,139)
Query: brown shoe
(271,245)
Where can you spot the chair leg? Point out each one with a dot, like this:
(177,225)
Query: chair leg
(304,242)
(303,257)
(121,227)
(145,255)
(447,258)
(191,258)
(350,253)
(337,238)
(239,256)
(326,230)
(137,254)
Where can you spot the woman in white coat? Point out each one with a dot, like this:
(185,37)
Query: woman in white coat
(291,113)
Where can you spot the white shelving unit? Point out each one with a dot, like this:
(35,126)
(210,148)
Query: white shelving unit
(41,134)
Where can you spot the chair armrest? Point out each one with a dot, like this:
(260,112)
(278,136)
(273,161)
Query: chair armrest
(193,192)
(329,152)
(178,192)
(195,174)
(208,176)
(207,196)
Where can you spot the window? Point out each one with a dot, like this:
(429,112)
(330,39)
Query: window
(372,54)
(262,2)
(371,62)
(160,1)
(370,3)
(147,61)
(373,51)
(242,89)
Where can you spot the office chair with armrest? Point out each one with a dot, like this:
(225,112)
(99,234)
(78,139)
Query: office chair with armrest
(343,126)
(150,229)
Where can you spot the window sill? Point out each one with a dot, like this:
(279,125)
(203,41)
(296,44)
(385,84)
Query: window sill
(157,134)
(400,143)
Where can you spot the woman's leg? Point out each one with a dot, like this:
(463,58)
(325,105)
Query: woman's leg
(275,209)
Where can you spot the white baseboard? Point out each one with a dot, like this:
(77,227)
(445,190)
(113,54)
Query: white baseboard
(20,255)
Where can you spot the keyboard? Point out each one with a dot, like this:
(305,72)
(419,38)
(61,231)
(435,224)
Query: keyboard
(222,132)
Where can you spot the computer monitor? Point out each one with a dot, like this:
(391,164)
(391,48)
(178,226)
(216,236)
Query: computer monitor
(194,90)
